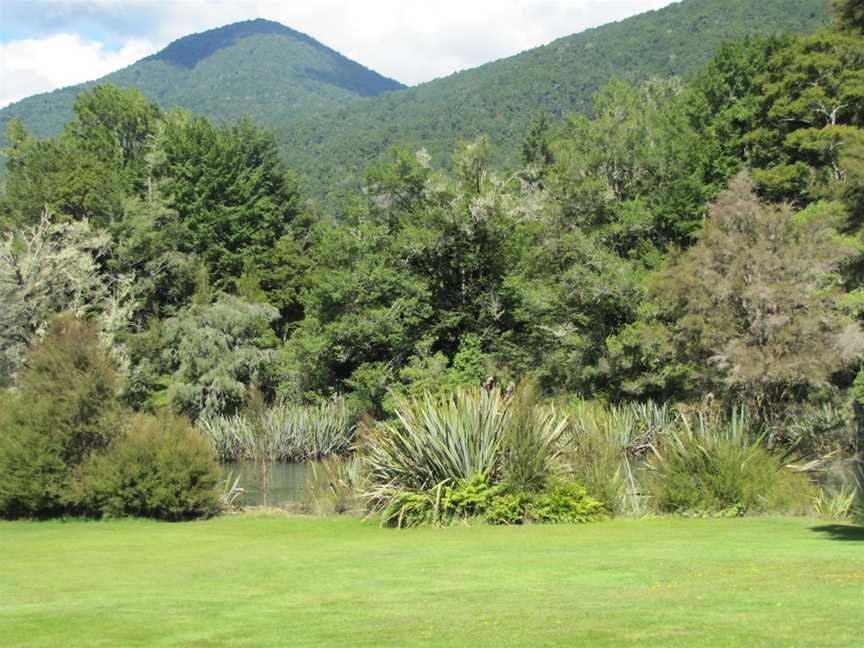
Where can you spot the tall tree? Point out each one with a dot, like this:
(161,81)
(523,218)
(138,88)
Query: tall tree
(757,302)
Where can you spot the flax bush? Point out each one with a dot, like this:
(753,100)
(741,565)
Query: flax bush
(718,466)
(282,432)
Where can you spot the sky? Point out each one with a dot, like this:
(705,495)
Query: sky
(48,44)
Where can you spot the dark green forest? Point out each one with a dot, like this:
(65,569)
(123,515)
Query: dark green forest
(694,241)
(313,98)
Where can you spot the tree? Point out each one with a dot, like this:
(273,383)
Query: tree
(756,303)
(849,15)
(114,124)
(630,172)
(206,357)
(53,267)
(536,147)
(65,409)
(234,195)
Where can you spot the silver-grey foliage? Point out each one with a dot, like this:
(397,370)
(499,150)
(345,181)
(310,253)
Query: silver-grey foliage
(283,432)
(53,267)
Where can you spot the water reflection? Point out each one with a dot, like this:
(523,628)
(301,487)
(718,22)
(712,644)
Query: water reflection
(287,482)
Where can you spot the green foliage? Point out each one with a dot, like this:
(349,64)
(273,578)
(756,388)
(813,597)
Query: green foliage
(508,508)
(233,194)
(467,498)
(281,432)
(532,440)
(536,148)
(597,269)
(65,408)
(455,457)
(608,167)
(849,15)
(608,445)
(208,355)
(563,502)
(835,504)
(160,468)
(567,503)
(176,193)
(820,430)
(716,466)
(439,439)
(790,109)
(260,67)
(756,304)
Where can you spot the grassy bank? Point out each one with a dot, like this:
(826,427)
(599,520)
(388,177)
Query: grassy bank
(255,581)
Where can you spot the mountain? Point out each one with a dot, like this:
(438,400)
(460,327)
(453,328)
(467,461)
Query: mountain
(501,98)
(258,67)
(333,116)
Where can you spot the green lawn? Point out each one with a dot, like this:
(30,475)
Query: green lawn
(297,581)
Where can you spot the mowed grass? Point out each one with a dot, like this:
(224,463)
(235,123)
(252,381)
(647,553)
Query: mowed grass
(298,581)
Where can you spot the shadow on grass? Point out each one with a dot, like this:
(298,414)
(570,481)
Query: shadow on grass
(841,531)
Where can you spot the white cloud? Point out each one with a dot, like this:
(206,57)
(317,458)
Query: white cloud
(40,64)
(410,40)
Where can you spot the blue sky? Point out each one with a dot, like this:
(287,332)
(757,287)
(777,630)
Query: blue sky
(46,44)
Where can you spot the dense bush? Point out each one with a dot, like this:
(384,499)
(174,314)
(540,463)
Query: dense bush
(462,499)
(713,466)
(532,438)
(282,432)
(64,410)
(161,468)
(561,502)
(473,454)
(607,446)
(437,440)
(507,508)
(567,503)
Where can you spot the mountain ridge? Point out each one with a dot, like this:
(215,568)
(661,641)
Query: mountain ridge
(500,98)
(336,116)
(252,62)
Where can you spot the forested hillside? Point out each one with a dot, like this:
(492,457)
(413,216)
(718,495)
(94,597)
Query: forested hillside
(257,67)
(313,98)
(501,98)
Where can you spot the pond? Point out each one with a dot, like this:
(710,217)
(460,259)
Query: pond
(287,482)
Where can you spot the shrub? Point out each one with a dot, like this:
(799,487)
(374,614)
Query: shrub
(282,432)
(447,456)
(714,466)
(405,508)
(161,468)
(65,409)
(607,445)
(439,440)
(820,430)
(468,498)
(567,503)
(507,508)
(465,499)
(531,441)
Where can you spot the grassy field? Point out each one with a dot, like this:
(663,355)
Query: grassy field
(296,581)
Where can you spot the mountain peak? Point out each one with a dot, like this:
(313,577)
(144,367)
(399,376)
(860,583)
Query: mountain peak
(189,50)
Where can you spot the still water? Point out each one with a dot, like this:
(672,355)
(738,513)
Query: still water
(287,482)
